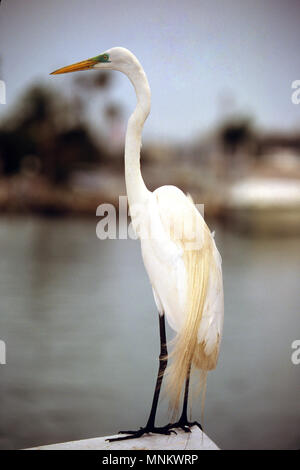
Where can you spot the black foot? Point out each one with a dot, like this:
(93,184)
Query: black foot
(185,425)
(146,430)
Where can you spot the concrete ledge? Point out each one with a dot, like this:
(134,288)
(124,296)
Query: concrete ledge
(196,440)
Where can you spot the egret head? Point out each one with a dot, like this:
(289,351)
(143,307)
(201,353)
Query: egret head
(117,58)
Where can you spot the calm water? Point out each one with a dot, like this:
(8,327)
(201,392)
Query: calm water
(81,330)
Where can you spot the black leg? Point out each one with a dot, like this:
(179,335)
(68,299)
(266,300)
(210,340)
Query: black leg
(183,417)
(163,360)
(183,422)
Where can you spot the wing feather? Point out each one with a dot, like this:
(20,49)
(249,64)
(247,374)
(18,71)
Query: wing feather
(185,270)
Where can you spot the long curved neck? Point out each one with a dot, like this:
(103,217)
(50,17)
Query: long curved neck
(137,191)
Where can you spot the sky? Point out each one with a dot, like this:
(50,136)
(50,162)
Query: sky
(203,58)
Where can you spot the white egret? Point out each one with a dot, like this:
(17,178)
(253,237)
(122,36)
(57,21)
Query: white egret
(179,254)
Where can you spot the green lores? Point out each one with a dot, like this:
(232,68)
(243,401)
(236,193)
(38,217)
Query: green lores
(102,58)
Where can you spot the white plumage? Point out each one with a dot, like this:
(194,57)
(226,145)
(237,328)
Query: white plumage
(179,252)
(169,209)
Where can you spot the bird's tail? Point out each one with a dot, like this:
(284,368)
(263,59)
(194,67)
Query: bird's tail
(187,351)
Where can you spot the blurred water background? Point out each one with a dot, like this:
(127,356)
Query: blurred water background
(77,313)
(82,338)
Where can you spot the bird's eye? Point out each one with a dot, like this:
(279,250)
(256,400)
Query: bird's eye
(105,57)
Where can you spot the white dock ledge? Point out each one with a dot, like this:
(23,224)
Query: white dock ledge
(196,440)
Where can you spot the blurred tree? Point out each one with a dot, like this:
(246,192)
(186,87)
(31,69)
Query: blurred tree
(236,134)
(115,135)
(74,149)
(46,125)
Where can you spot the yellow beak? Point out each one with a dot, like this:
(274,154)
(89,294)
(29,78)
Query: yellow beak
(83,65)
